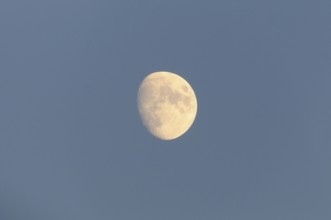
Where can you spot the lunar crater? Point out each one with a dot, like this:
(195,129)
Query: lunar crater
(173,96)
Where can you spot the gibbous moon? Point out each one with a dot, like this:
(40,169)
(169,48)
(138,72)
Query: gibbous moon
(167,105)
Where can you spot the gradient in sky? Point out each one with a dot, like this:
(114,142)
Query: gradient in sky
(72,145)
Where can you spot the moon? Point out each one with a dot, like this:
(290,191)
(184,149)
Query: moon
(167,105)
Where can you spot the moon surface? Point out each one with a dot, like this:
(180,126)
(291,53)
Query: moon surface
(167,105)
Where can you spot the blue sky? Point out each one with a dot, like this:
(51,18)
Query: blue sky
(72,145)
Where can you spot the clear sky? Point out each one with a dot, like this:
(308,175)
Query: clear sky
(72,145)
